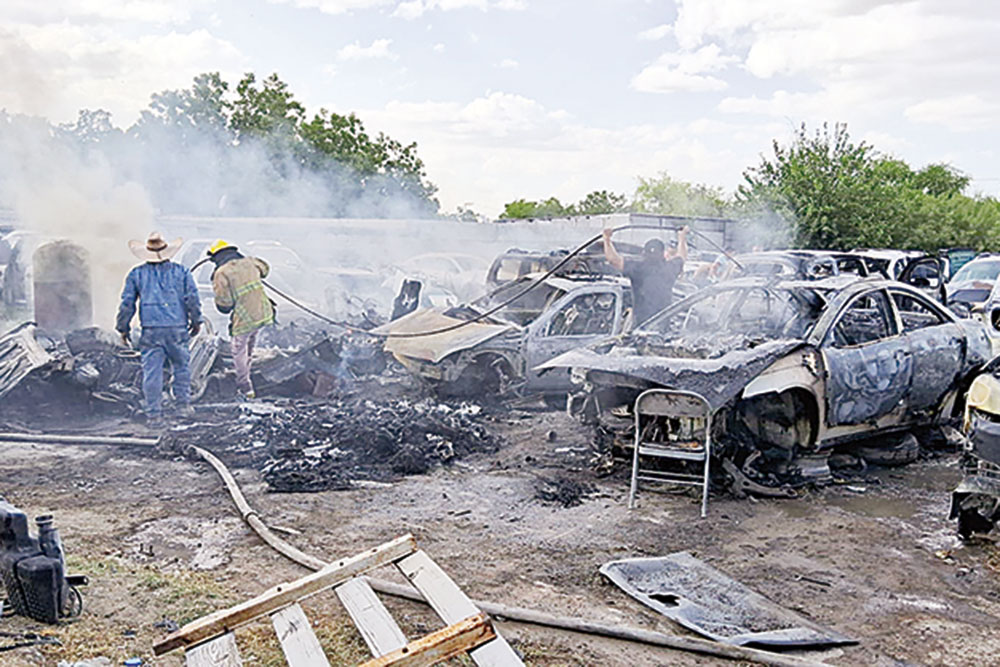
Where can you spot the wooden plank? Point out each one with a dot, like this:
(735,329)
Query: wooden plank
(452,605)
(373,620)
(440,645)
(220,652)
(298,641)
(284,594)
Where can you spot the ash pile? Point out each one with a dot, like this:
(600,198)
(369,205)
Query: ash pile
(334,445)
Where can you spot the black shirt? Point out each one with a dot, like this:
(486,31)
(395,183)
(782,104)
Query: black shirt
(652,284)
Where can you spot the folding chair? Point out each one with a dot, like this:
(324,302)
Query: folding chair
(671,425)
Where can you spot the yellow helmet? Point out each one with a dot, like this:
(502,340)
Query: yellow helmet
(217,246)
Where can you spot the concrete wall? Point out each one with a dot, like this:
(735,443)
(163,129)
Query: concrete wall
(354,242)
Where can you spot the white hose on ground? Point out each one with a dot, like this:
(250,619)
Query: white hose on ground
(509,613)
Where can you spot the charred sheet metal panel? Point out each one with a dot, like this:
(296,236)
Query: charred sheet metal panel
(702,599)
(866,382)
(937,352)
(719,380)
(437,347)
(20,354)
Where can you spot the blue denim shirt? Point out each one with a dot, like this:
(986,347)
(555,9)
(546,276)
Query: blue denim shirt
(166,293)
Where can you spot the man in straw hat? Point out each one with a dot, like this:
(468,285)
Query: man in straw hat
(239,291)
(169,312)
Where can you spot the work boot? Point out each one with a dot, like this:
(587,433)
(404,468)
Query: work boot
(245,396)
(155,423)
(185,410)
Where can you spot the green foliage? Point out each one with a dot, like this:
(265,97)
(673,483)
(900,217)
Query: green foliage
(835,193)
(254,151)
(601,202)
(598,202)
(665,196)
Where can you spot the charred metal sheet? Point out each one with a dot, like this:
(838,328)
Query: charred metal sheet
(20,354)
(437,347)
(321,356)
(204,348)
(719,380)
(866,382)
(702,599)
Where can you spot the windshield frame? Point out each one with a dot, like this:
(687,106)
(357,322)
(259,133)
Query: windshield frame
(816,298)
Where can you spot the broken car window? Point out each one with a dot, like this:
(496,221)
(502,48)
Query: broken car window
(586,315)
(914,313)
(865,320)
(762,312)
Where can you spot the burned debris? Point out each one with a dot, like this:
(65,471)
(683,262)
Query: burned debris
(331,445)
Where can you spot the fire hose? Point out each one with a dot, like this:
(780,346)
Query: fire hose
(510,613)
(495,309)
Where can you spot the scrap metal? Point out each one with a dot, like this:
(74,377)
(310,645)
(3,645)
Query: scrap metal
(703,599)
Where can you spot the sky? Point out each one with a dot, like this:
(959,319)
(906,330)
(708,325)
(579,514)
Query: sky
(531,99)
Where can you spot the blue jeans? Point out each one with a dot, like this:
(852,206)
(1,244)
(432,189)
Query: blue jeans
(157,345)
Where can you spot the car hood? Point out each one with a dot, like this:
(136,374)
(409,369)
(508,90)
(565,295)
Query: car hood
(719,378)
(437,347)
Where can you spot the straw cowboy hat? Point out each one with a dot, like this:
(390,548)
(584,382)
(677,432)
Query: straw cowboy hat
(155,249)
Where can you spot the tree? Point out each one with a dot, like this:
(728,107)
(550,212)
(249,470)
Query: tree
(600,202)
(549,208)
(192,114)
(666,196)
(267,111)
(834,193)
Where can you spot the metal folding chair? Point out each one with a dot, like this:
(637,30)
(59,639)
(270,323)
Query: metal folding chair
(671,425)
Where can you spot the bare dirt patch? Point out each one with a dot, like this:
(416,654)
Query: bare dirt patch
(159,538)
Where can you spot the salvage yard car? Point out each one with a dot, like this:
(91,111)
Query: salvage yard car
(495,356)
(792,371)
(975,503)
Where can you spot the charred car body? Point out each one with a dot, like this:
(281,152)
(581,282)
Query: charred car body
(496,356)
(975,503)
(791,369)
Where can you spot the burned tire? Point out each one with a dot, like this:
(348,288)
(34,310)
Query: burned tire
(904,451)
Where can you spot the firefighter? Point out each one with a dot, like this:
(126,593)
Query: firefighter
(239,292)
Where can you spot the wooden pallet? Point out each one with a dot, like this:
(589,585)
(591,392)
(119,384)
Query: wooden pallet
(209,641)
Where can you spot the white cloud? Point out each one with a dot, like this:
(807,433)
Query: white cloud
(334,6)
(438,48)
(412,9)
(656,33)
(508,63)
(379,48)
(502,146)
(139,11)
(684,71)
(960,112)
(60,68)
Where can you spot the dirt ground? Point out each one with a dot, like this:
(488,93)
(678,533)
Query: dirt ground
(159,538)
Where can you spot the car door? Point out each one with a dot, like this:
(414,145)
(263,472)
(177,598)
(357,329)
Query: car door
(937,346)
(868,362)
(579,318)
(927,275)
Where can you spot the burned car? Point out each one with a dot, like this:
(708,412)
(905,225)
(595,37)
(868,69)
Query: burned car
(495,356)
(975,502)
(792,371)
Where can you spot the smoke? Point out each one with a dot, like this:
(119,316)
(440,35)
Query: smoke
(59,191)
